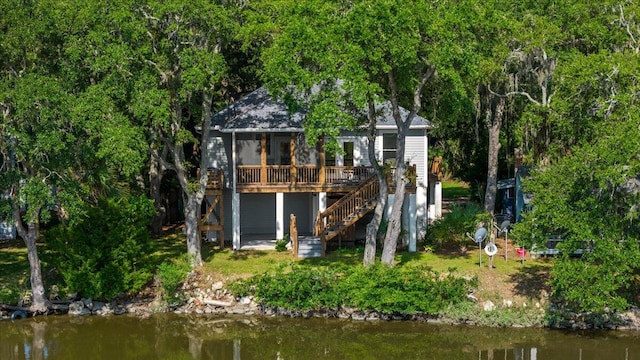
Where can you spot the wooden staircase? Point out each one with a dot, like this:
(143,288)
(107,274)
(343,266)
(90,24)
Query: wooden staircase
(345,212)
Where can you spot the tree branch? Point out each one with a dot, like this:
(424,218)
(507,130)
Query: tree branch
(511,93)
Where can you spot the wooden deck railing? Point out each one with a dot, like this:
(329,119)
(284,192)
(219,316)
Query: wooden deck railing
(300,174)
(346,208)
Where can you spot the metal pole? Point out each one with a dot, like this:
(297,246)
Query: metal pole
(506,243)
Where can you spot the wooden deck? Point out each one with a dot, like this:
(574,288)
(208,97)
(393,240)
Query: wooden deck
(306,178)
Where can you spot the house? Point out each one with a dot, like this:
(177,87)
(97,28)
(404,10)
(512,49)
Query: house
(262,170)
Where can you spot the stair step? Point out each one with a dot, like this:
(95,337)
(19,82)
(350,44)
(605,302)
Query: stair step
(310,248)
(310,254)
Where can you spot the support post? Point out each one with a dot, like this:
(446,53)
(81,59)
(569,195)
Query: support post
(263,159)
(293,234)
(321,160)
(413,219)
(279,216)
(292,153)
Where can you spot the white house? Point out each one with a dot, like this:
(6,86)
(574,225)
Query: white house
(262,170)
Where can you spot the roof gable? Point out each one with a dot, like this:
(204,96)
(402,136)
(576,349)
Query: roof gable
(259,112)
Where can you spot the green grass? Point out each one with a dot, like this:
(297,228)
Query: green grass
(527,279)
(14,270)
(453,189)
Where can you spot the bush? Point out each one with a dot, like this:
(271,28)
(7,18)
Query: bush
(281,244)
(450,229)
(172,275)
(377,288)
(406,290)
(106,253)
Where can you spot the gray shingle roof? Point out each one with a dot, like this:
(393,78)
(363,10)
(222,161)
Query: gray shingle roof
(258,112)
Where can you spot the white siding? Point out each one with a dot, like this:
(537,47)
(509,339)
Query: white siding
(415,153)
(360,152)
(218,154)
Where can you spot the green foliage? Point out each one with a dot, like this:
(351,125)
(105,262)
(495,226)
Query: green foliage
(590,199)
(450,229)
(172,275)
(281,244)
(406,290)
(9,295)
(106,253)
(468,312)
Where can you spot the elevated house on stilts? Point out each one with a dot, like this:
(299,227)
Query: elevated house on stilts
(261,171)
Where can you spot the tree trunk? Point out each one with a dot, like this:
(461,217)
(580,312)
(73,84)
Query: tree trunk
(191,220)
(394,225)
(494,124)
(194,197)
(155,180)
(371,241)
(30,236)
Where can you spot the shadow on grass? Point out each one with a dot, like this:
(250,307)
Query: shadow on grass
(14,266)
(531,280)
(344,256)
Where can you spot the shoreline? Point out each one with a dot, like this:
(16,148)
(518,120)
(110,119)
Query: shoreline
(217,300)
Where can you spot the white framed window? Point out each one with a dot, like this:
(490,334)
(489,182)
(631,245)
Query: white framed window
(389,148)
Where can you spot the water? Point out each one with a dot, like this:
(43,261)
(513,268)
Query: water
(201,337)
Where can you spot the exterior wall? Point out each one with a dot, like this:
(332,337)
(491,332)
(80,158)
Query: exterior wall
(219,155)
(416,152)
(360,151)
(258,214)
(298,204)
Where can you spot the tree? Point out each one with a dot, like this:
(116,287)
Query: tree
(347,59)
(181,50)
(64,136)
(587,191)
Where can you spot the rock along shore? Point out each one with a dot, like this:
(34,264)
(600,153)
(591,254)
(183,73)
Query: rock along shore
(214,299)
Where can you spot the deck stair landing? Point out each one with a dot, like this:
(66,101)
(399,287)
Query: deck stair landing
(309,246)
(345,212)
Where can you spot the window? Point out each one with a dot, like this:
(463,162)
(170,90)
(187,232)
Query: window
(348,153)
(389,147)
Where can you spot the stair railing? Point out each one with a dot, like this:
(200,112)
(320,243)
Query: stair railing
(346,206)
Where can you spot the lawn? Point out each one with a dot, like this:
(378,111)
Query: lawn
(508,279)
(455,189)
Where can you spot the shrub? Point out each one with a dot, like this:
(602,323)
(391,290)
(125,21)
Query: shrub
(377,288)
(172,275)
(281,244)
(300,288)
(406,290)
(106,253)
(450,229)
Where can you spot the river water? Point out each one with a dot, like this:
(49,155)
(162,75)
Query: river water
(169,336)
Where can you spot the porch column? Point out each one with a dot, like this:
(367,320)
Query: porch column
(322,201)
(235,200)
(422,210)
(263,158)
(405,222)
(438,199)
(321,177)
(279,216)
(235,223)
(413,223)
(292,152)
